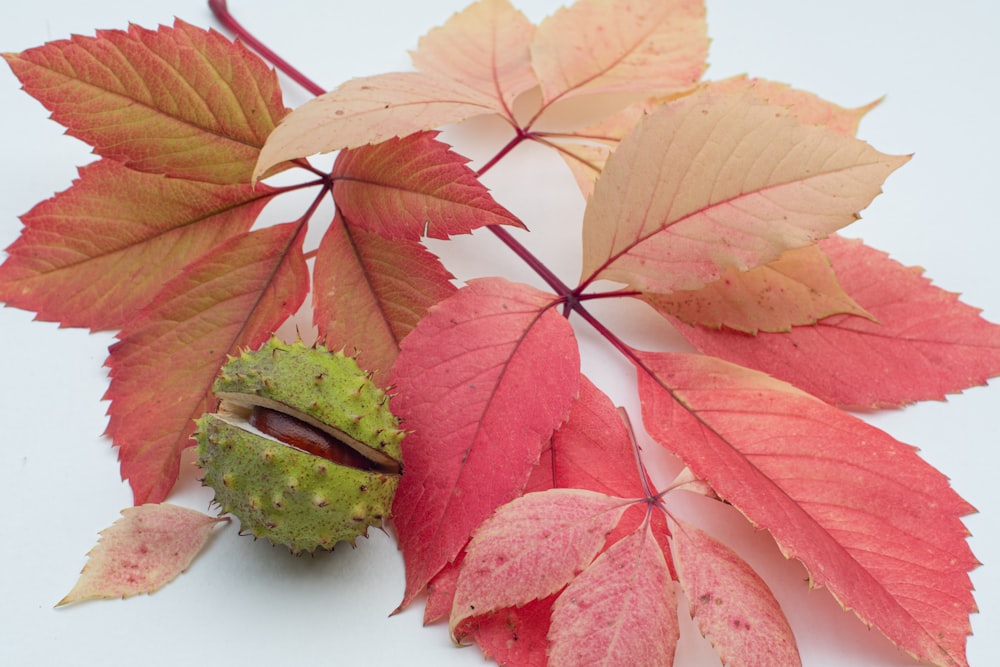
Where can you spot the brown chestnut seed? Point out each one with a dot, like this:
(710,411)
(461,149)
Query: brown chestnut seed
(296,433)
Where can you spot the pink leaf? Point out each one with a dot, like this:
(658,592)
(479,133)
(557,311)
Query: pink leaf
(621,610)
(870,520)
(733,606)
(531,547)
(481,382)
(142,552)
(923,343)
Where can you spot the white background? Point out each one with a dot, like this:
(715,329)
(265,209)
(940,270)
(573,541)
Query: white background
(248,603)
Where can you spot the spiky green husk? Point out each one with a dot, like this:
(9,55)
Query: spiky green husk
(284,494)
(326,389)
(288,496)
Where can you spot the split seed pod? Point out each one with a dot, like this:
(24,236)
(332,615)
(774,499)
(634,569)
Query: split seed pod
(303,449)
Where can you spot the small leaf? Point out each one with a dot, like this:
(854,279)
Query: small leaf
(721,181)
(733,606)
(621,610)
(798,288)
(412,187)
(142,552)
(486,47)
(870,520)
(371,110)
(95,254)
(369,292)
(922,345)
(179,101)
(532,547)
(165,360)
(651,47)
(481,383)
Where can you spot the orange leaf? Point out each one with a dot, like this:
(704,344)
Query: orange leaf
(733,606)
(371,110)
(142,552)
(718,181)
(532,547)
(165,360)
(485,47)
(95,254)
(651,47)
(621,610)
(482,382)
(871,521)
(412,187)
(369,292)
(798,288)
(922,345)
(179,101)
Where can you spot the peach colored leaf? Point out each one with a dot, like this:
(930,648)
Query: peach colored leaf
(93,255)
(620,46)
(369,292)
(481,383)
(807,107)
(179,101)
(621,610)
(796,289)
(486,47)
(412,187)
(532,547)
(718,181)
(870,520)
(142,552)
(165,360)
(732,605)
(371,110)
(923,344)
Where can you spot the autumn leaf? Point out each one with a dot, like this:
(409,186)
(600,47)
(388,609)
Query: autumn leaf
(712,182)
(95,254)
(870,520)
(651,47)
(799,288)
(369,292)
(481,382)
(142,552)
(165,360)
(413,187)
(531,548)
(371,110)
(486,47)
(179,101)
(922,344)
(732,605)
(621,610)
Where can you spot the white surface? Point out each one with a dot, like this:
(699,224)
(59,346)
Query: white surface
(247,603)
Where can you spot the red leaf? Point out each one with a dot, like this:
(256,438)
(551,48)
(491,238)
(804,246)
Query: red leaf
(532,547)
(923,344)
(164,363)
(369,292)
(179,101)
(621,610)
(142,552)
(871,521)
(514,637)
(95,254)
(412,187)
(733,606)
(482,382)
